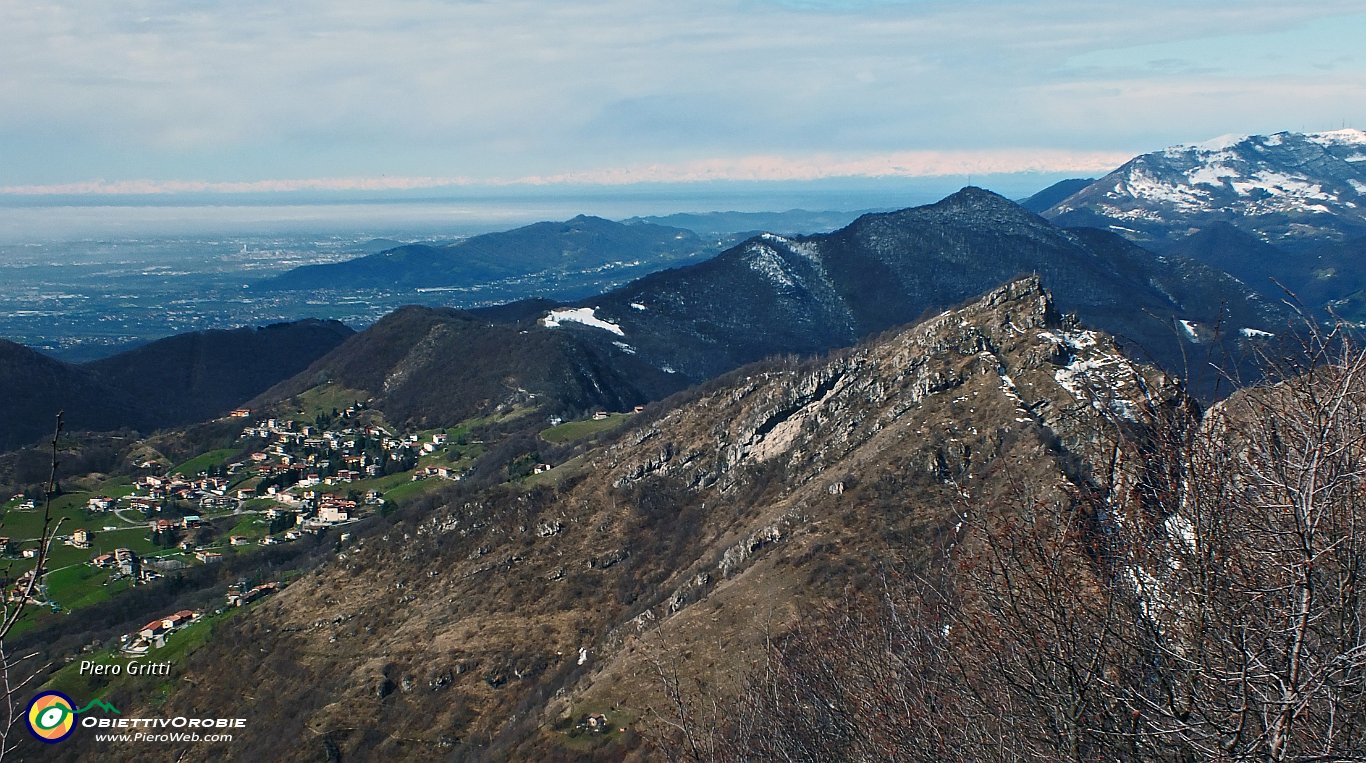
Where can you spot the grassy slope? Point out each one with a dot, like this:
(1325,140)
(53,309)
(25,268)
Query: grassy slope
(572,431)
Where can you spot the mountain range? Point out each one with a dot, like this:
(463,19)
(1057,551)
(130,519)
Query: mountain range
(774,295)
(724,223)
(778,294)
(558,251)
(1201,296)
(1005,408)
(769,295)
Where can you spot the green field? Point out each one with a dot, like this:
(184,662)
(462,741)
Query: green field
(71,582)
(411,489)
(69,508)
(571,431)
(253,526)
(498,418)
(381,484)
(135,538)
(323,399)
(459,457)
(203,461)
(570,467)
(81,585)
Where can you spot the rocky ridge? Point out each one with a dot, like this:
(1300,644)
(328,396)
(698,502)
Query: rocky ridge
(469,628)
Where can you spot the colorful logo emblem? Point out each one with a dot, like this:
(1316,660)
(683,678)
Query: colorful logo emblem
(51,716)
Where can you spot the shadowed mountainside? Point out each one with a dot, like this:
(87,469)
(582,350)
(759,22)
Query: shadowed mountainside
(178,380)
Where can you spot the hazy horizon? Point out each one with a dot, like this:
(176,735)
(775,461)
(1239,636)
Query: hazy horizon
(25,219)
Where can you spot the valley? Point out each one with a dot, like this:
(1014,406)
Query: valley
(87,298)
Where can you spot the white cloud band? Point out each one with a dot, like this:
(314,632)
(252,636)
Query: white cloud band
(761,168)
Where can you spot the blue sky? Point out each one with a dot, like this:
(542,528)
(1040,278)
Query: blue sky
(185,96)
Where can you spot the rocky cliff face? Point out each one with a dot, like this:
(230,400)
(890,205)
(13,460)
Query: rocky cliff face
(472,628)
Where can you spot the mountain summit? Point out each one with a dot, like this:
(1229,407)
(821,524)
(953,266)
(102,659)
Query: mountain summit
(776,294)
(1282,186)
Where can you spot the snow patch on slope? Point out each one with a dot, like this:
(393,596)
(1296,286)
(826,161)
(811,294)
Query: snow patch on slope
(1189,328)
(1213,174)
(1142,184)
(765,261)
(1281,183)
(1220,143)
(1095,375)
(583,315)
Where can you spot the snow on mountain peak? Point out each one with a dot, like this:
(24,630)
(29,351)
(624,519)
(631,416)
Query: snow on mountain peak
(1221,143)
(1346,137)
(1247,171)
(1303,184)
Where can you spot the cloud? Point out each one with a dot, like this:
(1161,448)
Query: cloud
(236,92)
(768,168)
(903,164)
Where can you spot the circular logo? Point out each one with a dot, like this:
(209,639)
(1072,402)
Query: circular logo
(51,716)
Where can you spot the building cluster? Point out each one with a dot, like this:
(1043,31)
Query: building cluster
(303,455)
(152,491)
(240,596)
(153,635)
(298,462)
(125,562)
(291,463)
(19,591)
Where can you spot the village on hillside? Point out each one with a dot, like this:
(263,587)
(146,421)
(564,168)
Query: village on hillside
(282,479)
(327,462)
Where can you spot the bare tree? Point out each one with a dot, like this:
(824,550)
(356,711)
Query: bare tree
(1257,622)
(17,672)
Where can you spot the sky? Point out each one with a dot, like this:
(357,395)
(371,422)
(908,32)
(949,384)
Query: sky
(107,99)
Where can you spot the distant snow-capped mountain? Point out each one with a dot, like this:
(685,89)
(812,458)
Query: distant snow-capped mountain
(1287,186)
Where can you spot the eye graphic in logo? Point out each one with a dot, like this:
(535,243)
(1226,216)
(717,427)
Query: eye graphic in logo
(51,716)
